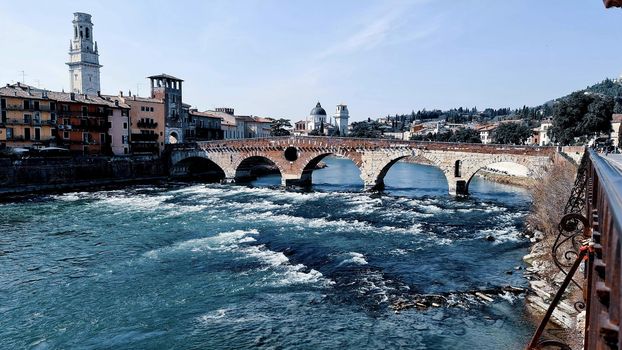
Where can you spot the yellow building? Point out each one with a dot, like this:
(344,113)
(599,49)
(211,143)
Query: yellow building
(28,117)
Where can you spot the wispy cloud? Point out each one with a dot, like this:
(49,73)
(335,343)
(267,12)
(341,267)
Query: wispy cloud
(386,28)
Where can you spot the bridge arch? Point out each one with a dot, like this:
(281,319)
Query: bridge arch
(255,165)
(535,168)
(198,167)
(311,161)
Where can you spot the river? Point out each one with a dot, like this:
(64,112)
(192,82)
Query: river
(210,266)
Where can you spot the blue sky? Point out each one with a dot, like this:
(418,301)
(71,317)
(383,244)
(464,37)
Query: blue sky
(277,58)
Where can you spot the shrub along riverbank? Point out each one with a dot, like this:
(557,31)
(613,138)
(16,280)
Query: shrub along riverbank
(549,199)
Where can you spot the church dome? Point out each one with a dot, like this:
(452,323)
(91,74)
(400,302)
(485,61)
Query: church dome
(318,110)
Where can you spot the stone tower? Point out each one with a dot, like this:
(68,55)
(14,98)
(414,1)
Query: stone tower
(341,119)
(168,89)
(83,57)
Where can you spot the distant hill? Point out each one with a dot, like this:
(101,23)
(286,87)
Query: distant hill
(607,87)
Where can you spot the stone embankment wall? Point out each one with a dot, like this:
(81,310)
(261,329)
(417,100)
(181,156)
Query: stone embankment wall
(18,176)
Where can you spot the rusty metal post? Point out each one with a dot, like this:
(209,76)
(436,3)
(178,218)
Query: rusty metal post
(533,344)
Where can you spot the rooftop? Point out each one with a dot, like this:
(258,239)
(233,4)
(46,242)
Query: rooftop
(164,76)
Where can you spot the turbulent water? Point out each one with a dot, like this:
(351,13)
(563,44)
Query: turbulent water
(229,267)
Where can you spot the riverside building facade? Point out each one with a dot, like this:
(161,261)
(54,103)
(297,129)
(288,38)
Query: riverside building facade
(28,117)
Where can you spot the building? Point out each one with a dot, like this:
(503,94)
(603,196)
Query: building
(317,118)
(83,57)
(341,120)
(534,139)
(544,138)
(147,123)
(169,89)
(82,122)
(241,126)
(486,133)
(208,125)
(28,117)
(118,126)
(616,127)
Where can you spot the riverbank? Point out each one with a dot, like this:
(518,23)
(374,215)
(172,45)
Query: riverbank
(545,278)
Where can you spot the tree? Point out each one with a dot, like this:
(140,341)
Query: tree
(369,129)
(511,133)
(466,136)
(580,115)
(278,127)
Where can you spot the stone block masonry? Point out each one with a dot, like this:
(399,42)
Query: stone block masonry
(30,175)
(296,157)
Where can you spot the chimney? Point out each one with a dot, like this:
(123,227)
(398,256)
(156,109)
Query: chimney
(120,93)
(73,96)
(99,93)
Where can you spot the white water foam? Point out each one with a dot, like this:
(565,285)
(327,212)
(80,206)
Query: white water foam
(355,259)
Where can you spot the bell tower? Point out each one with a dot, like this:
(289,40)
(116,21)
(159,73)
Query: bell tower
(341,119)
(83,57)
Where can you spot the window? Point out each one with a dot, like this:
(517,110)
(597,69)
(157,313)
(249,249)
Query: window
(53,117)
(37,118)
(37,134)
(85,111)
(142,108)
(65,108)
(124,139)
(151,109)
(457,172)
(124,125)
(9,133)
(124,150)
(65,134)
(102,139)
(87,33)
(2,103)
(3,117)
(26,104)
(27,134)
(27,118)
(36,105)
(109,125)
(85,137)
(75,32)
(52,106)
(65,121)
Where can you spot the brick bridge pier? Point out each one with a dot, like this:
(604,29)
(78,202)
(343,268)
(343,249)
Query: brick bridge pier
(296,157)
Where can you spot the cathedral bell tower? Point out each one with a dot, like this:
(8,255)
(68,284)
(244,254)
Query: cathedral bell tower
(83,57)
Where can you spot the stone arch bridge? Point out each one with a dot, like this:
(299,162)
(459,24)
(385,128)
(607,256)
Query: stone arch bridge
(296,157)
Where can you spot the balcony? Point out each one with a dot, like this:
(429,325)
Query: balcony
(144,138)
(29,122)
(89,127)
(146,125)
(78,114)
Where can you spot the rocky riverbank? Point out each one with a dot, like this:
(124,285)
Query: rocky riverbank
(550,195)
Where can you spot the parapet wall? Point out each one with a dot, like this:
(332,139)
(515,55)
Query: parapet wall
(41,174)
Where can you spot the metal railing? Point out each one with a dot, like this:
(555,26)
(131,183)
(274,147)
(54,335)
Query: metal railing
(604,211)
(590,232)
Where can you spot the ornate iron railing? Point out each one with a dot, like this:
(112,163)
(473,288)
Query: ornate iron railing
(593,239)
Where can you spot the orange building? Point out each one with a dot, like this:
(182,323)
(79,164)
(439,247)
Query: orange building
(28,117)
(147,123)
